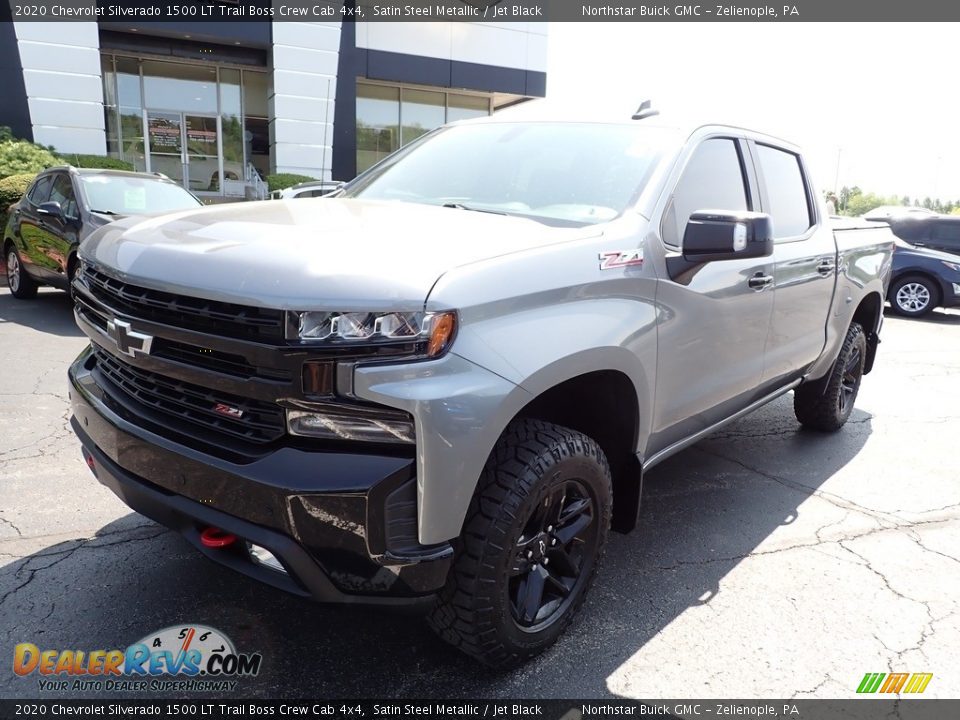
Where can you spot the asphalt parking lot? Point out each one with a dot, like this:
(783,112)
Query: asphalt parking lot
(770,562)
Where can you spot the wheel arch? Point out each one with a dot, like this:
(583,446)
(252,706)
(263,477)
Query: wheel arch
(606,395)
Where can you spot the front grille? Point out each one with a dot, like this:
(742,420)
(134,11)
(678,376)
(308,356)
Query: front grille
(208,316)
(221,362)
(183,404)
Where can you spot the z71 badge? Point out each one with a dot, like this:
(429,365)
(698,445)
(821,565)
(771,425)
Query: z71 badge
(620,258)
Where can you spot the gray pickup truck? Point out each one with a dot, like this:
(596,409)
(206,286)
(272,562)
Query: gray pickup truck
(446,382)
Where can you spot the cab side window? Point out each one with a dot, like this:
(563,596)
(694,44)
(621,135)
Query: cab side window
(40,192)
(62,192)
(946,234)
(712,180)
(787,200)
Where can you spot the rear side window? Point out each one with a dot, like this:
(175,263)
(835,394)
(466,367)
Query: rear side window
(712,180)
(946,231)
(787,198)
(40,192)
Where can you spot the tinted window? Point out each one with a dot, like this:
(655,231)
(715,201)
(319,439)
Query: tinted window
(786,191)
(62,192)
(947,231)
(712,180)
(40,192)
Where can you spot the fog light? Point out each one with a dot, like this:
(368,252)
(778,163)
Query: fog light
(956,288)
(261,556)
(338,422)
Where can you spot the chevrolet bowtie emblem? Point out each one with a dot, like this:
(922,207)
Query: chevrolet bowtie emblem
(128,342)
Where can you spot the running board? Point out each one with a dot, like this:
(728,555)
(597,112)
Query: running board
(688,441)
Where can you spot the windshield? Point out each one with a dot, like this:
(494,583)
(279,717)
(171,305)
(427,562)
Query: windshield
(130,195)
(578,173)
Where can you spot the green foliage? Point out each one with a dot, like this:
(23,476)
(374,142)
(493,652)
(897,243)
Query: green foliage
(18,157)
(12,189)
(865,202)
(5,133)
(285,180)
(102,162)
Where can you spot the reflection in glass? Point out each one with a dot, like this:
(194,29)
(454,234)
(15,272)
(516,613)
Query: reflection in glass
(183,87)
(378,123)
(464,107)
(128,82)
(421,111)
(232,127)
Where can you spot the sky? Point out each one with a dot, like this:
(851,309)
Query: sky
(881,98)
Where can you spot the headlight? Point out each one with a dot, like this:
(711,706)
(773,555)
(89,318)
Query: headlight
(342,422)
(431,333)
(952,265)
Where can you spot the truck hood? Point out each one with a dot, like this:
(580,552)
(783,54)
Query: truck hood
(323,253)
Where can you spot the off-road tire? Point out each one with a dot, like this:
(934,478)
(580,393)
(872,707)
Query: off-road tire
(22,286)
(827,412)
(474,611)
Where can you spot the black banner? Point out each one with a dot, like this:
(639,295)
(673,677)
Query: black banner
(866,709)
(476,11)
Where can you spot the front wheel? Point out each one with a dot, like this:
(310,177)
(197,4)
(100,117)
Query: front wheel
(530,546)
(22,286)
(913,296)
(829,411)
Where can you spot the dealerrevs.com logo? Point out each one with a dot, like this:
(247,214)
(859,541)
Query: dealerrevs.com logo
(177,658)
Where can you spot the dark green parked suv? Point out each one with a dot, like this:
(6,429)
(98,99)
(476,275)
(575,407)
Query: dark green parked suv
(62,207)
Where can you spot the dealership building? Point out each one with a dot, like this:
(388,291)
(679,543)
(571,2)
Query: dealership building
(218,105)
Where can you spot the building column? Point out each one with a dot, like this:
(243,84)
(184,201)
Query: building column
(303,88)
(63,83)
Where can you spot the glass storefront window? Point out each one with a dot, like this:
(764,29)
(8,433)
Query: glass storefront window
(464,107)
(128,82)
(378,123)
(420,111)
(168,86)
(231,124)
(255,93)
(389,116)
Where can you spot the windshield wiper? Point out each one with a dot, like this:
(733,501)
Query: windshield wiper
(105,212)
(461,206)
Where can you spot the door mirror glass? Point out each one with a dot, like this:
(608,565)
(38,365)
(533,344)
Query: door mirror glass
(727,235)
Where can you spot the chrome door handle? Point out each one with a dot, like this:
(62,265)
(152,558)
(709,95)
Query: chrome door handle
(760,281)
(826,267)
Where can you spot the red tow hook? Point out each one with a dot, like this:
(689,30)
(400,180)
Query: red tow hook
(212,537)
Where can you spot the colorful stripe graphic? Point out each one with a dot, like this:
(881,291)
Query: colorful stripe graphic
(895,682)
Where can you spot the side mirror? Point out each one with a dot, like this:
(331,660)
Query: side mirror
(51,208)
(727,235)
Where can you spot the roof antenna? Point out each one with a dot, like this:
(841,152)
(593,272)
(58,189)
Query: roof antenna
(645,110)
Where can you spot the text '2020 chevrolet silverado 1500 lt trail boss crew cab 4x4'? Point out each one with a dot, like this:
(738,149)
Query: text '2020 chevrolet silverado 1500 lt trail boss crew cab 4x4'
(448,379)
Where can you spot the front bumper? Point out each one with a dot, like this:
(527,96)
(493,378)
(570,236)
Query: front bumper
(342,523)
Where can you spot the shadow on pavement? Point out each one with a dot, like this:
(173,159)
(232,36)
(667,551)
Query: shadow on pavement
(49,312)
(937,316)
(704,511)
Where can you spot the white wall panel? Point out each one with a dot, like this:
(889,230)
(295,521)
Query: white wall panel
(305,62)
(61,73)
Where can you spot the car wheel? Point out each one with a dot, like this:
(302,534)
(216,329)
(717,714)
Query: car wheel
(530,546)
(913,296)
(829,410)
(21,285)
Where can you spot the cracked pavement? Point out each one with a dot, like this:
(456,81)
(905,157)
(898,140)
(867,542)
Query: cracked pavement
(769,562)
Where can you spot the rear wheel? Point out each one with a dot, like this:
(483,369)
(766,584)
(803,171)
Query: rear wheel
(913,296)
(828,411)
(21,285)
(530,546)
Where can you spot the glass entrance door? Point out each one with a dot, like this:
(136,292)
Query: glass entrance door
(186,148)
